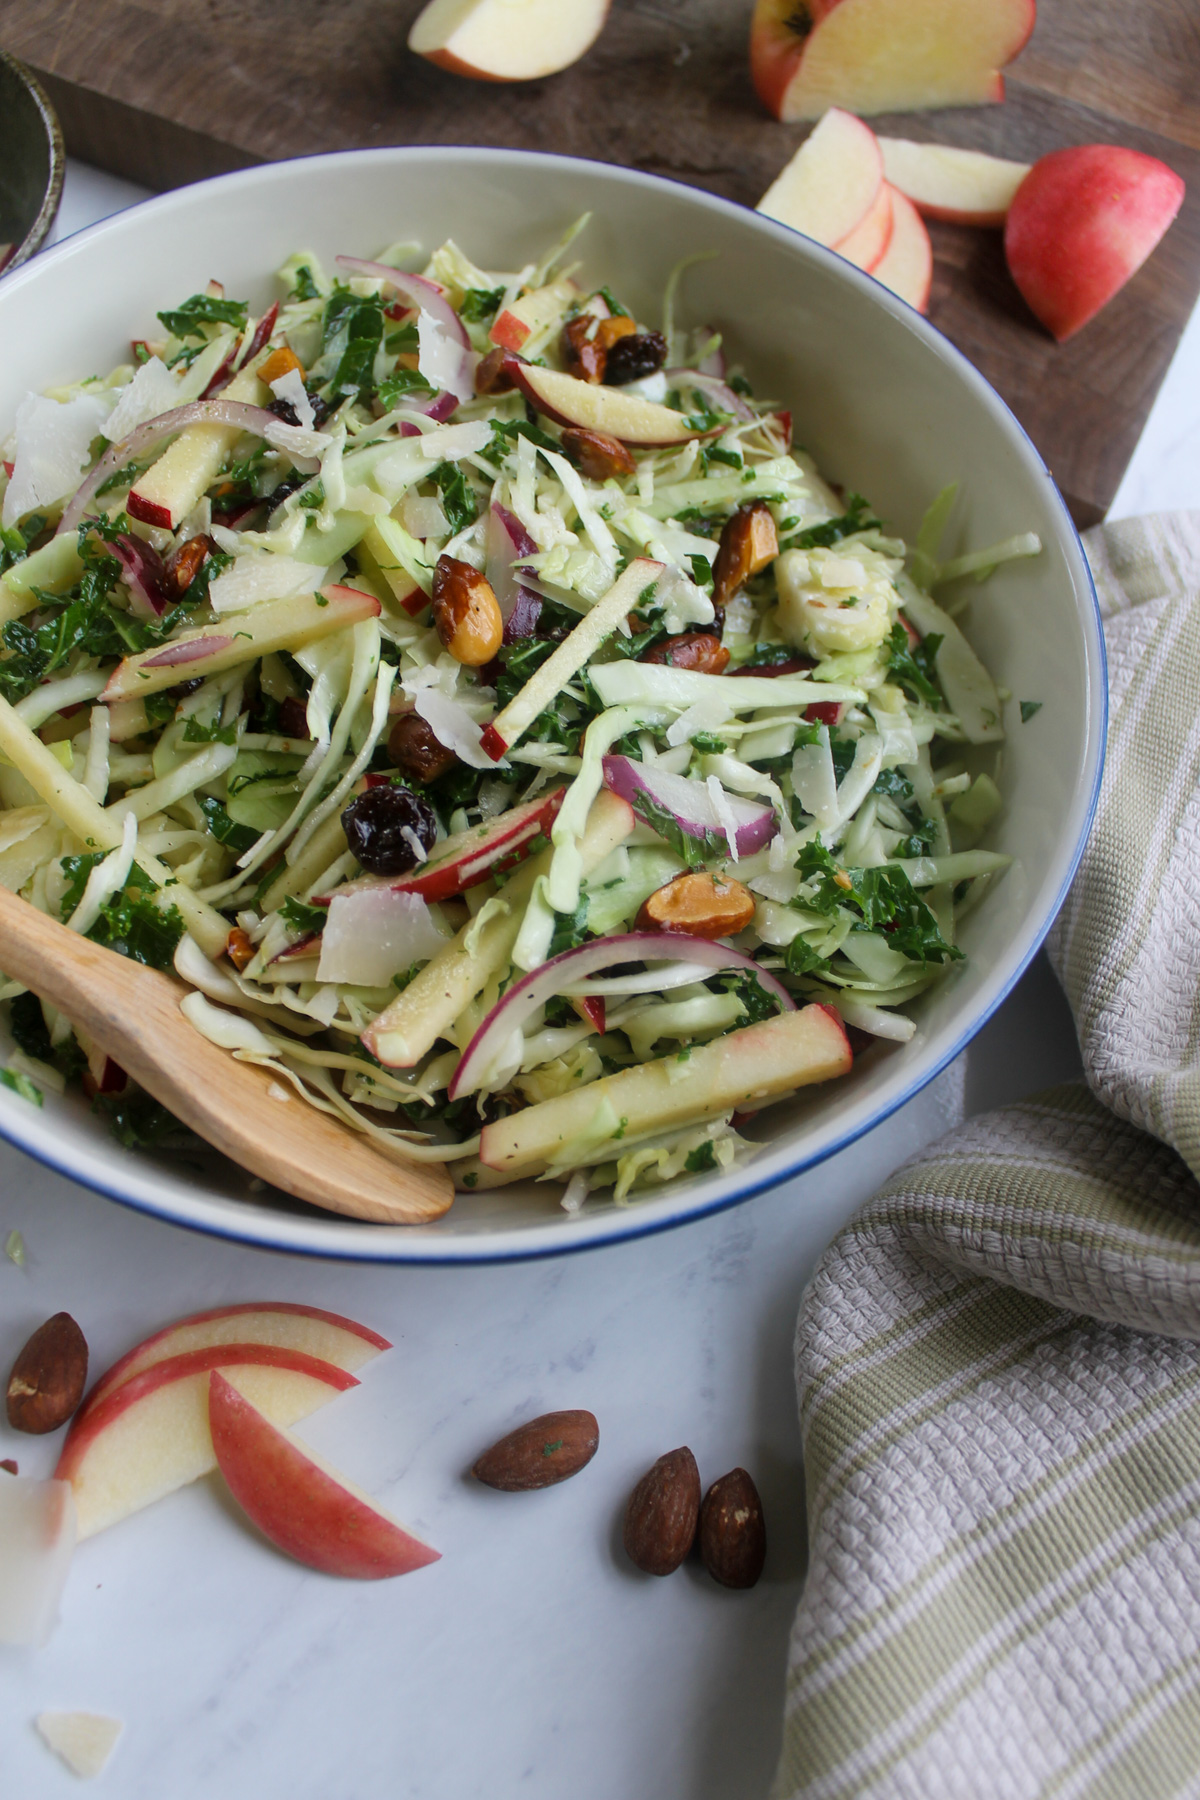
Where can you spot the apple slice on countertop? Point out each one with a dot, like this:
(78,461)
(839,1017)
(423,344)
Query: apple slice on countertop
(493,40)
(832,183)
(874,56)
(1081,223)
(307,1509)
(867,244)
(150,1435)
(568,401)
(37,1537)
(327,1336)
(963,187)
(906,267)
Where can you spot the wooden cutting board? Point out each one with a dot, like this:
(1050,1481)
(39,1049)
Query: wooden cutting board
(168,91)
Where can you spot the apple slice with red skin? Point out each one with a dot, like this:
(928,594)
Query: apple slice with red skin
(832,183)
(326,1335)
(150,1435)
(465,859)
(963,187)
(489,40)
(1082,222)
(906,266)
(867,244)
(874,56)
(306,1509)
(568,401)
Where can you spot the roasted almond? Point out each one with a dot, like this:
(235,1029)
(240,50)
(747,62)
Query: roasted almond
(238,947)
(703,905)
(186,563)
(48,1377)
(660,1519)
(493,373)
(586,357)
(749,541)
(733,1536)
(415,750)
(538,1454)
(699,650)
(466,613)
(597,454)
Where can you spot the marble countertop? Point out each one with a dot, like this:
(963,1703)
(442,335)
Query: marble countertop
(533,1658)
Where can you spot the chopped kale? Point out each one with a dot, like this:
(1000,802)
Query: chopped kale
(190,319)
(132,922)
(915,666)
(857,517)
(394,389)
(352,331)
(881,898)
(298,915)
(1028,708)
(505,434)
(758,1002)
(458,497)
(196,732)
(570,930)
(703,1157)
(802,959)
(237,838)
(304,287)
(480,304)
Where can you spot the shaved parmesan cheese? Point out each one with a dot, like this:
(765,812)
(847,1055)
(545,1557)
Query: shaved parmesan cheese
(724,814)
(52,442)
(290,388)
(453,726)
(37,1538)
(84,1741)
(256,576)
(441,360)
(373,933)
(423,518)
(152,391)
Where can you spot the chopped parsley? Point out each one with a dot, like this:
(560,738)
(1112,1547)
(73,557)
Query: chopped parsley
(480,304)
(857,517)
(298,915)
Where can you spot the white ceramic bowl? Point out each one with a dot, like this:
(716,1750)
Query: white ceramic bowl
(884,403)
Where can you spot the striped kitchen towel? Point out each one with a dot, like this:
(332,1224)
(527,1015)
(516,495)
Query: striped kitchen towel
(998,1361)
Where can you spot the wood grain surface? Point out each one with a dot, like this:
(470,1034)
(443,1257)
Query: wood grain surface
(171,91)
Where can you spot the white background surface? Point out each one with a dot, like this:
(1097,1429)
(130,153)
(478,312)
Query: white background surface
(533,1659)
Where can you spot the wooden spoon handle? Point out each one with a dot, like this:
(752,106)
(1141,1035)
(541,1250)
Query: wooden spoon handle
(133,1014)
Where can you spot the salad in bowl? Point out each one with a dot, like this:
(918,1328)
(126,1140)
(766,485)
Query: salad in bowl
(475,695)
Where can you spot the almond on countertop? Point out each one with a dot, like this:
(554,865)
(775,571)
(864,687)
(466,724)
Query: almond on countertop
(546,1450)
(663,1510)
(48,1377)
(733,1536)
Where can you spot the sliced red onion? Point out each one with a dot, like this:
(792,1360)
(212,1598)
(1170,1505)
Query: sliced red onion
(237,413)
(717,390)
(525,617)
(507,539)
(144,573)
(193,650)
(573,966)
(654,793)
(262,334)
(426,295)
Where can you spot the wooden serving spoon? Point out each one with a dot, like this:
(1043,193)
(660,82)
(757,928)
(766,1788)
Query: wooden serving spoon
(133,1014)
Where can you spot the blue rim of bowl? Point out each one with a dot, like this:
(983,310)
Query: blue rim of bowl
(38,232)
(638,1224)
